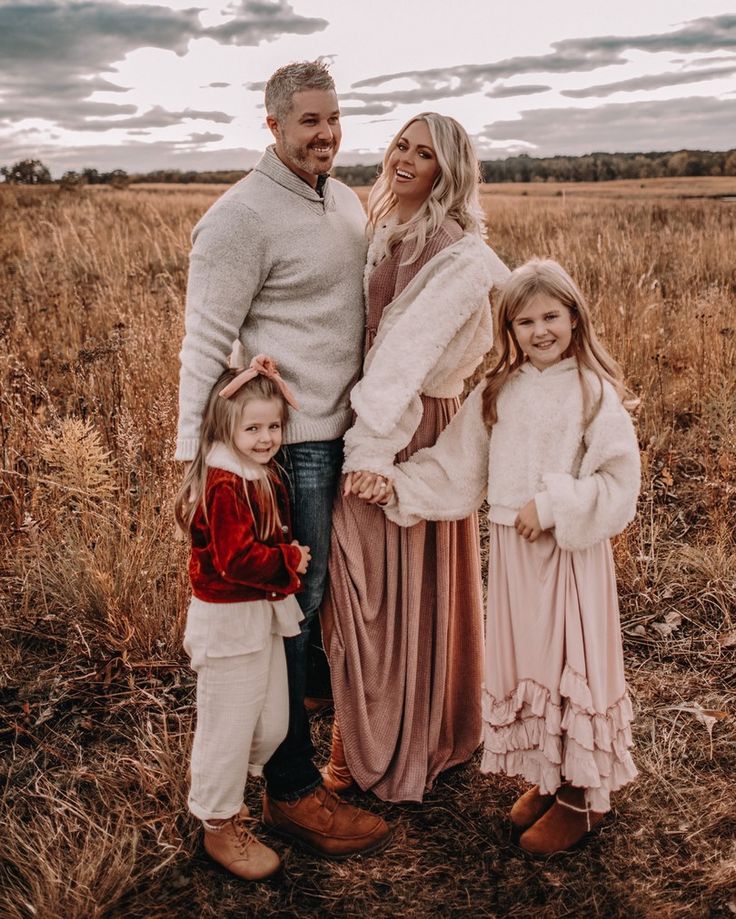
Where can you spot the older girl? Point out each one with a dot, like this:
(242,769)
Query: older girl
(547,440)
(403,616)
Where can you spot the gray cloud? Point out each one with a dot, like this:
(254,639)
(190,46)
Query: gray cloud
(156,117)
(504,92)
(371,108)
(205,137)
(571,55)
(50,48)
(218,85)
(651,81)
(621,127)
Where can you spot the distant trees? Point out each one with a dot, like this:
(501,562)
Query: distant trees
(593,167)
(602,167)
(26,172)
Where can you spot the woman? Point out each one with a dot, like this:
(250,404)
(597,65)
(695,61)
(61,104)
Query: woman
(403,615)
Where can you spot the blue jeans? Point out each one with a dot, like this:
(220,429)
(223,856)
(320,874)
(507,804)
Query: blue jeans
(312,477)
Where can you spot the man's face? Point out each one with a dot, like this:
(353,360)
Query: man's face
(309,137)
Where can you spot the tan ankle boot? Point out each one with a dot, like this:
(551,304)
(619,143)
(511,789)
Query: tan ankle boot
(529,808)
(563,826)
(336,775)
(233,846)
(325,825)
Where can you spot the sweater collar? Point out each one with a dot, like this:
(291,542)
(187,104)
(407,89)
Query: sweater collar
(222,457)
(270,165)
(559,369)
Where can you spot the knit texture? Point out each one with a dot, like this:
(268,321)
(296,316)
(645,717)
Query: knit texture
(585,481)
(281,268)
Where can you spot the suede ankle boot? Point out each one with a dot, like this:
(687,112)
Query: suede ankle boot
(233,846)
(336,775)
(529,808)
(563,825)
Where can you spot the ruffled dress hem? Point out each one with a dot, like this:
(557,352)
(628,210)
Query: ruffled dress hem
(529,734)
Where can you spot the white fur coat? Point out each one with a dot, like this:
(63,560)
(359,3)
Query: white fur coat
(585,482)
(430,338)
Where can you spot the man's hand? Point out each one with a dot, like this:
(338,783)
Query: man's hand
(306,557)
(527,522)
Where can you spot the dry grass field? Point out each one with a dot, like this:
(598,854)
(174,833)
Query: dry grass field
(95,696)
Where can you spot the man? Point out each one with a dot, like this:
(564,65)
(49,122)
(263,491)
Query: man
(278,262)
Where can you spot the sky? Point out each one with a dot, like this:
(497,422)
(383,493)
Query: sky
(178,84)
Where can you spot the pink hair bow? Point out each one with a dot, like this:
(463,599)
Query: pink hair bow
(260,365)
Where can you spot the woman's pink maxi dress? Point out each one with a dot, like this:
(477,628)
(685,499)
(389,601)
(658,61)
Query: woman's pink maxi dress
(406,650)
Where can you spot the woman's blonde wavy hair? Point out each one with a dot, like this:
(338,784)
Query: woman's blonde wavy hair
(545,276)
(454,193)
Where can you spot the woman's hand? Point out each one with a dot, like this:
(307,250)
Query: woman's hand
(527,522)
(368,486)
(306,557)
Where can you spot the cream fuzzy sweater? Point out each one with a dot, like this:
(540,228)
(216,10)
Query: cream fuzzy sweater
(585,482)
(281,268)
(431,337)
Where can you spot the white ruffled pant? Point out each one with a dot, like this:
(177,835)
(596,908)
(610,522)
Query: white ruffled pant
(237,652)
(555,703)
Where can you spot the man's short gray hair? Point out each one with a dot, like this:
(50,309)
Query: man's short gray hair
(295,78)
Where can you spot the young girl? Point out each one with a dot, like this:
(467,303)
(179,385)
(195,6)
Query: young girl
(561,474)
(244,571)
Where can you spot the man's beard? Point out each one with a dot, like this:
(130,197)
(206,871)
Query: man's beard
(306,160)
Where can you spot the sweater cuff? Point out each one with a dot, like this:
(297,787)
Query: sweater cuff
(186,449)
(544,510)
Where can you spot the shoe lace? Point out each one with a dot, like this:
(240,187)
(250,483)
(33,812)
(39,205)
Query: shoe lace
(330,800)
(243,835)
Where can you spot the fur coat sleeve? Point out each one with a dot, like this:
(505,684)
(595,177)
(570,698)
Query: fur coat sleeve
(431,337)
(601,500)
(449,480)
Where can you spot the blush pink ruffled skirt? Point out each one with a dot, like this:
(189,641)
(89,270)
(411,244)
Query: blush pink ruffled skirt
(555,703)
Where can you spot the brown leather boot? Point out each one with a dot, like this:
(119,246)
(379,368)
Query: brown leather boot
(563,826)
(325,825)
(234,847)
(336,775)
(529,808)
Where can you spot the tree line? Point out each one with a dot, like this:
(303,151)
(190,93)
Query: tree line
(592,167)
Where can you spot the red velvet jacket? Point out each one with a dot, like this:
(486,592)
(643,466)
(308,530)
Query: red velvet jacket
(228,562)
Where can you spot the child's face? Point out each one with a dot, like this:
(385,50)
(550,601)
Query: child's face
(258,435)
(543,330)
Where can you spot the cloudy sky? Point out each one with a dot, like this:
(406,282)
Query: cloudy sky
(148,84)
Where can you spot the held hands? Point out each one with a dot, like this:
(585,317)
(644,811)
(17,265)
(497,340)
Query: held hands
(527,522)
(306,557)
(369,486)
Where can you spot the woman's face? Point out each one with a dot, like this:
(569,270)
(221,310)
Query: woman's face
(413,168)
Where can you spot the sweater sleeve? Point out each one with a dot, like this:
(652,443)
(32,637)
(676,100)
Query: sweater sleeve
(237,553)
(601,500)
(449,480)
(387,401)
(228,266)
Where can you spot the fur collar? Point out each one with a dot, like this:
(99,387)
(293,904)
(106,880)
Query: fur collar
(222,457)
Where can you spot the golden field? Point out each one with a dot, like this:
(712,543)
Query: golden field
(97,701)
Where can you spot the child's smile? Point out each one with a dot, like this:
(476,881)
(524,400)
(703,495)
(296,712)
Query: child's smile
(543,330)
(258,435)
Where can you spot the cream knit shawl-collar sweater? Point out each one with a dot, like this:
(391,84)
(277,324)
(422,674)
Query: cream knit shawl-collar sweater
(585,481)
(281,268)
(431,337)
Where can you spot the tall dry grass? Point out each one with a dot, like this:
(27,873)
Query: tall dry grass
(95,694)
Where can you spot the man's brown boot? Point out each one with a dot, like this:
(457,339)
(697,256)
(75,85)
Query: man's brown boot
(563,826)
(234,847)
(325,825)
(529,808)
(336,775)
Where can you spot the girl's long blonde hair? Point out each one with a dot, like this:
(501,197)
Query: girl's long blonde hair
(454,193)
(219,424)
(545,276)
